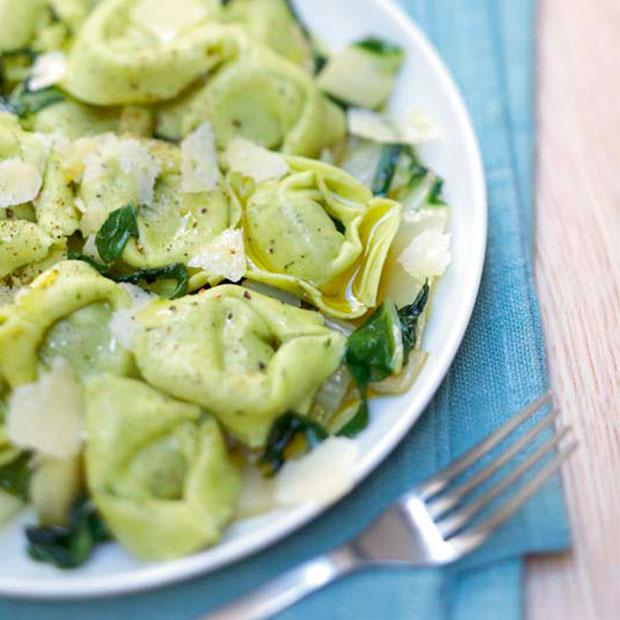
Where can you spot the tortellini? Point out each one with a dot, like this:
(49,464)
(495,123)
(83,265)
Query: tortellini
(18,21)
(157,469)
(264,99)
(144,51)
(51,297)
(271,23)
(321,235)
(245,357)
(21,243)
(103,173)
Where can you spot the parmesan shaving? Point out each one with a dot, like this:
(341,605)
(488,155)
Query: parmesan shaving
(224,257)
(319,477)
(200,169)
(254,161)
(20,182)
(48,69)
(47,416)
(122,323)
(428,255)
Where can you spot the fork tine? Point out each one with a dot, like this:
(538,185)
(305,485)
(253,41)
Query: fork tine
(474,537)
(436,483)
(458,520)
(440,504)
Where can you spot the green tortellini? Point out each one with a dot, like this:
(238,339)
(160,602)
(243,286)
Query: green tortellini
(52,297)
(83,338)
(157,469)
(244,357)
(271,23)
(21,243)
(263,98)
(144,51)
(18,22)
(321,235)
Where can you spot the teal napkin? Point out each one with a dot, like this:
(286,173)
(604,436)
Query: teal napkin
(501,366)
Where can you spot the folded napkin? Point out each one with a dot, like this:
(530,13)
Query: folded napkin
(500,368)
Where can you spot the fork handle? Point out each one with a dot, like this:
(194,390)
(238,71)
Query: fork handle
(294,585)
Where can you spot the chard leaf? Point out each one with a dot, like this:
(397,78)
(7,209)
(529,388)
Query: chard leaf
(15,477)
(386,169)
(30,102)
(175,271)
(116,232)
(373,349)
(380,47)
(68,547)
(358,422)
(409,317)
(282,433)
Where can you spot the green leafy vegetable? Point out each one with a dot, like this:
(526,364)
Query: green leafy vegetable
(379,46)
(282,433)
(358,422)
(176,271)
(68,547)
(15,476)
(102,269)
(409,317)
(28,102)
(116,232)
(386,169)
(374,351)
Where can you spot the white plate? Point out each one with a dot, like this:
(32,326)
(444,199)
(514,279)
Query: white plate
(426,85)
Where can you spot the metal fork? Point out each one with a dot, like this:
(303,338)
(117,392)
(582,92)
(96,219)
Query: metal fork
(432,525)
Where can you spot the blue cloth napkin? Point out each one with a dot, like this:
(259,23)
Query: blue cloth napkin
(501,366)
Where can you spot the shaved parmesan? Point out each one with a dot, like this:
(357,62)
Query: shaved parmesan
(256,493)
(383,129)
(20,182)
(428,255)
(371,126)
(167,20)
(90,247)
(47,416)
(48,69)
(200,169)
(123,321)
(224,257)
(254,161)
(319,477)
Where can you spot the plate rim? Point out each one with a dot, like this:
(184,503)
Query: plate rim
(156,576)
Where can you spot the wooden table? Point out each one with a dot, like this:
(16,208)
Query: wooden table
(578,276)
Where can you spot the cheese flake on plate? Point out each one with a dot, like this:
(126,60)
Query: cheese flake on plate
(20,182)
(224,257)
(254,161)
(48,415)
(200,169)
(48,69)
(319,477)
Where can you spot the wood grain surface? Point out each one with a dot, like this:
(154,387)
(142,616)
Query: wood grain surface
(578,276)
